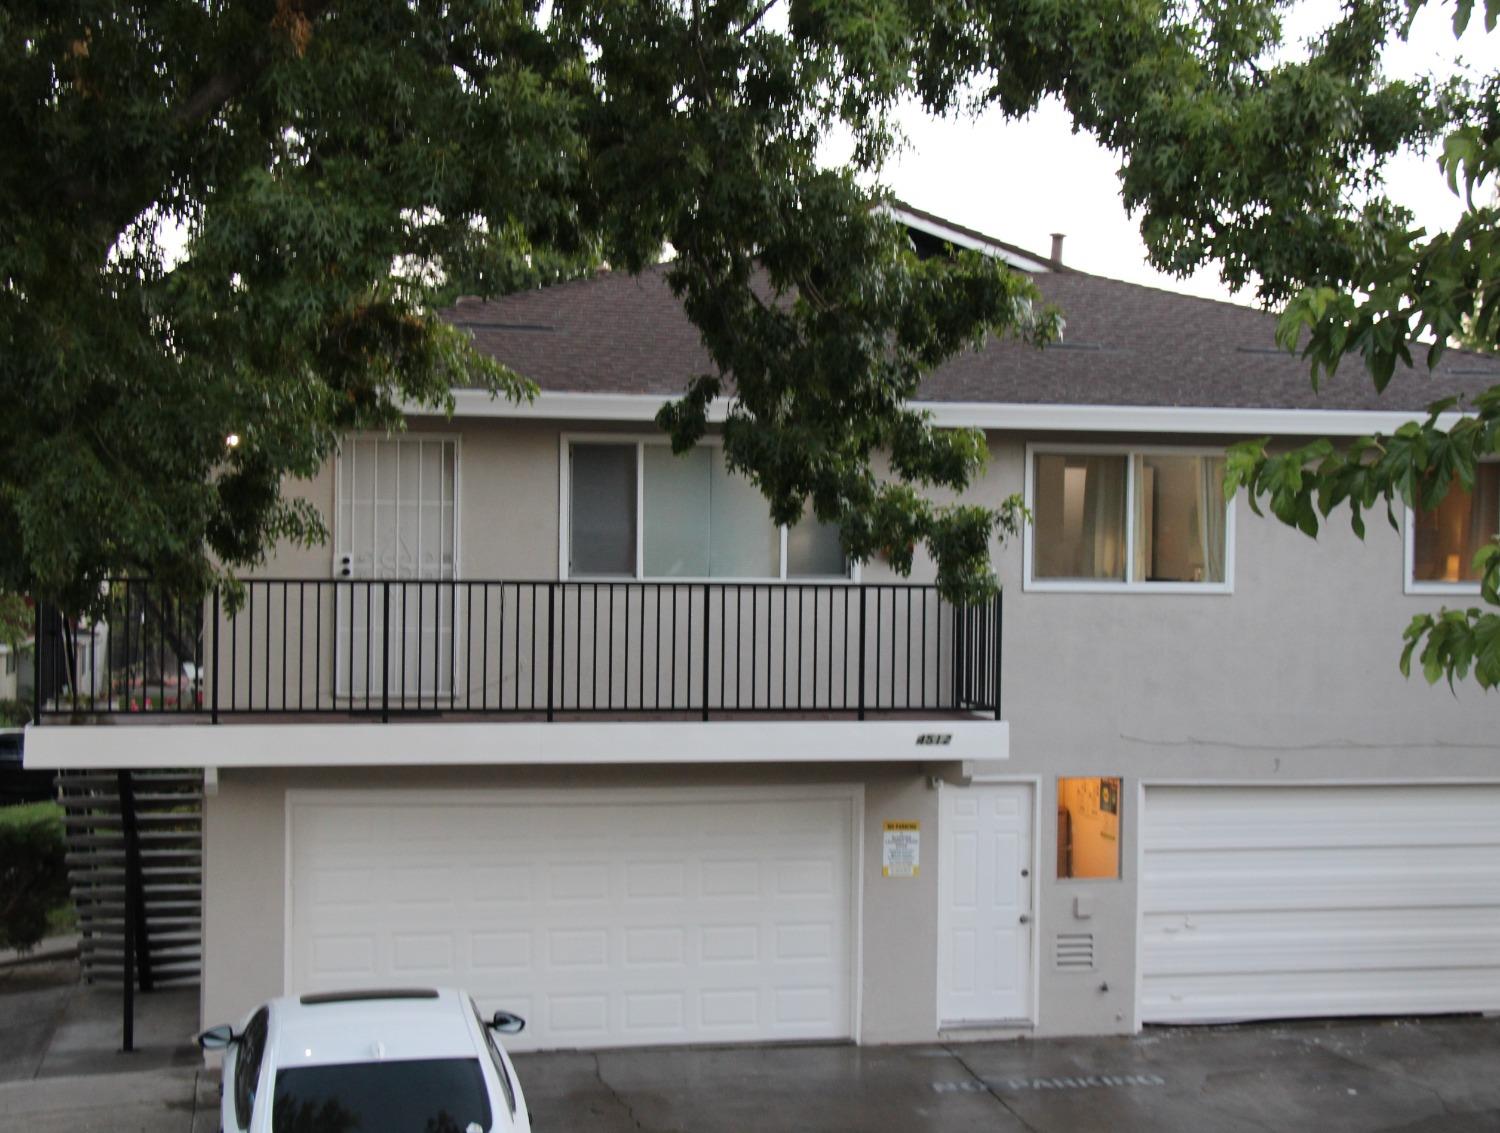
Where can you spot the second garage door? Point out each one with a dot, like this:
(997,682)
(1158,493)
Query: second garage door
(1270,902)
(607,919)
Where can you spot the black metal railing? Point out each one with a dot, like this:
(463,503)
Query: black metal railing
(542,649)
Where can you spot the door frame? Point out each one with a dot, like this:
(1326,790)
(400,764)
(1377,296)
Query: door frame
(945,790)
(852,793)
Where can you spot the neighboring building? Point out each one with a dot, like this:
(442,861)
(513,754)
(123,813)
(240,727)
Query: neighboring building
(689,779)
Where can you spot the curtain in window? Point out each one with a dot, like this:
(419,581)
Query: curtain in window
(1102,549)
(1448,536)
(1211,513)
(1484,514)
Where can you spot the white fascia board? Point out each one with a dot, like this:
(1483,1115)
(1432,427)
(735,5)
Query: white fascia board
(1170,419)
(70,748)
(984,415)
(964,240)
(561,406)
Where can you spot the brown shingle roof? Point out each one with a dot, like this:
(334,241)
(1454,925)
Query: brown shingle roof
(1125,344)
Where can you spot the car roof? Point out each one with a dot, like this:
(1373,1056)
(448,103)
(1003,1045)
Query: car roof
(371,1027)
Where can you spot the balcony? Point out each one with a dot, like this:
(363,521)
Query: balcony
(307,649)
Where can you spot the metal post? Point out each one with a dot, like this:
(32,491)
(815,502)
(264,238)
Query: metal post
(384,646)
(551,642)
(861,650)
(135,888)
(705,652)
(214,713)
(36,667)
(996,647)
(960,653)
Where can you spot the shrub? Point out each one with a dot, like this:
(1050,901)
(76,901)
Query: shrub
(33,872)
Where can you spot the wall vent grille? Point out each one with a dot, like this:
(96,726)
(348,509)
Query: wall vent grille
(1074,951)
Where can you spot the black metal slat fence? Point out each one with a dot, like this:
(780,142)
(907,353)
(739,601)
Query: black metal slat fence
(402,647)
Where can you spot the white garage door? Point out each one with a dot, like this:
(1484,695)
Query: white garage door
(605,918)
(1273,902)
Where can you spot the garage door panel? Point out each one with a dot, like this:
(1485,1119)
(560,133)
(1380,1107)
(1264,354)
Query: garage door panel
(1328,943)
(1402,888)
(1286,901)
(1218,997)
(617,923)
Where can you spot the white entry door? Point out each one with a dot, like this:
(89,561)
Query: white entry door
(397,522)
(985,922)
(605,918)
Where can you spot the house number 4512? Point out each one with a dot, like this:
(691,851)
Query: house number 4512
(934,739)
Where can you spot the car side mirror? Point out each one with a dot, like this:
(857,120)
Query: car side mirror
(218,1038)
(507,1024)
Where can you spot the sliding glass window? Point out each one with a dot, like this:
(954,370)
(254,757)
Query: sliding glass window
(691,517)
(1108,520)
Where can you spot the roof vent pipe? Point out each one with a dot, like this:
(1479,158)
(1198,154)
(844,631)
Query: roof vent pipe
(1057,243)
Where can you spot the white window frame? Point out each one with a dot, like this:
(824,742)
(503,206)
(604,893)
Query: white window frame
(640,441)
(1128,586)
(1411,584)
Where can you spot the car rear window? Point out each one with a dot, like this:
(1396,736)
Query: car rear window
(441,1095)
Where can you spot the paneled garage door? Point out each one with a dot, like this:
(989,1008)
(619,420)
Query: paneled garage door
(1272,902)
(605,918)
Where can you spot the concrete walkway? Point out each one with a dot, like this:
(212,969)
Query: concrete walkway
(61,1067)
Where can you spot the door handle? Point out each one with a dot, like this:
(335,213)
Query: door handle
(1025,918)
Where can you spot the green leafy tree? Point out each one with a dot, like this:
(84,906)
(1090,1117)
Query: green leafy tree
(329,170)
(16,620)
(336,170)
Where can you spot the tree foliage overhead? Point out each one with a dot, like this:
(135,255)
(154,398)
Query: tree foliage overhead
(239,216)
(238,219)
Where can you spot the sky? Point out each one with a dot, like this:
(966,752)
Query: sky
(1022,181)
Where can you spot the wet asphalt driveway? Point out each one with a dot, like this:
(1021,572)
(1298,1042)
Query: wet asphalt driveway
(1391,1075)
(61,1072)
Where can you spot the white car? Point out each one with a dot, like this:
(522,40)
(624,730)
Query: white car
(403,1061)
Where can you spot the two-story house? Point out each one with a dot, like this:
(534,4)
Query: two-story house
(564,719)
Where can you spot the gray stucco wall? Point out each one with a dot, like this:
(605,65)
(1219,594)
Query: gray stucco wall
(1292,677)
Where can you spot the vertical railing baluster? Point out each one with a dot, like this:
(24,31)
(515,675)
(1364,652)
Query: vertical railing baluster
(785,608)
(999,613)
(801,601)
(706,620)
(36,663)
(267,659)
(814,649)
(385,649)
(551,624)
(214,710)
(318,644)
(958,656)
(861,650)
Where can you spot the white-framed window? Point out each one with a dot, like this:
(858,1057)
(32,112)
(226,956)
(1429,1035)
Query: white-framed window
(1108,518)
(1441,543)
(632,509)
